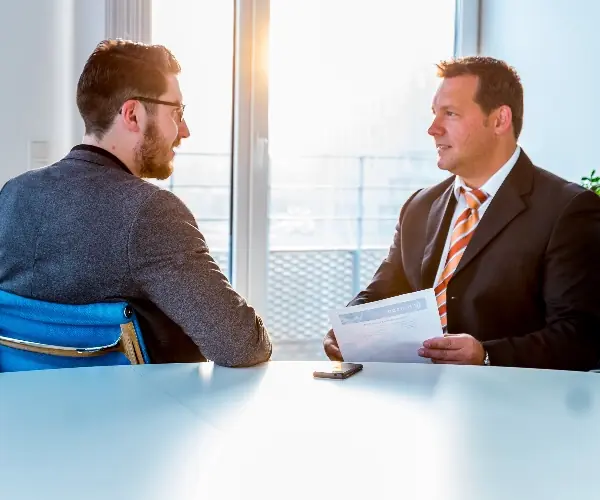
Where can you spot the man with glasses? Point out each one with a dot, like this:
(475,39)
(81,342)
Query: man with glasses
(90,228)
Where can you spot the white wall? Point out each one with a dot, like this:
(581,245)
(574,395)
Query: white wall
(554,45)
(90,29)
(43,46)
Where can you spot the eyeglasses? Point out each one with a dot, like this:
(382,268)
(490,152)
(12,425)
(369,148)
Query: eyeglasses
(181,107)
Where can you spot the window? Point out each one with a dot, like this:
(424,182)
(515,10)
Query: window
(350,94)
(200,34)
(345,109)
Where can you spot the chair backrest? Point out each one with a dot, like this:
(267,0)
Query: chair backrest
(38,335)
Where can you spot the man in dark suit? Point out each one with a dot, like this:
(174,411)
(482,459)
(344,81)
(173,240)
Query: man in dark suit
(510,249)
(90,228)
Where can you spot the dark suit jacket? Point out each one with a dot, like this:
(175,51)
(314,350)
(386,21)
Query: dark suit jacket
(86,230)
(528,284)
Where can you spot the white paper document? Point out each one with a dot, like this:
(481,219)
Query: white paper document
(389,330)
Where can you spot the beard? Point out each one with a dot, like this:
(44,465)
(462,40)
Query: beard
(154,155)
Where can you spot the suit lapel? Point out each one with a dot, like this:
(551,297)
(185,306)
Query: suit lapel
(505,206)
(438,225)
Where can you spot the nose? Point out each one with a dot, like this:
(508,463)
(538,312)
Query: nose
(435,129)
(184,131)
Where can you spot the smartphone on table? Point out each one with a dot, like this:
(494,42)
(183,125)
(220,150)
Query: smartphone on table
(339,370)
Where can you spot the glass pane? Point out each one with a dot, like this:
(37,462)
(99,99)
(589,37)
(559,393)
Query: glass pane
(305,202)
(205,200)
(306,233)
(384,202)
(350,93)
(200,34)
(378,233)
(320,171)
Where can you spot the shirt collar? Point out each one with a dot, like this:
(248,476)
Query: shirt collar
(103,152)
(493,184)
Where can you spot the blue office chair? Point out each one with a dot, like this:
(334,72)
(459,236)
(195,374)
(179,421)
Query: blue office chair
(37,335)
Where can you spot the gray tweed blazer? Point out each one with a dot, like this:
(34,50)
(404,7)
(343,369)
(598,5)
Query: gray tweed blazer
(86,230)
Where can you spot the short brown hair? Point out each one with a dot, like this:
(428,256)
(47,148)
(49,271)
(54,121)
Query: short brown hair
(499,84)
(116,71)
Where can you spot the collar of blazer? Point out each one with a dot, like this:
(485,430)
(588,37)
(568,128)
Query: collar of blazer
(505,206)
(96,155)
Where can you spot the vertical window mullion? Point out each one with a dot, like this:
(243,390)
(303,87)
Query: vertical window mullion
(467,28)
(129,19)
(250,153)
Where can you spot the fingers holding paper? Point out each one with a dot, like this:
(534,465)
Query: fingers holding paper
(458,349)
(331,347)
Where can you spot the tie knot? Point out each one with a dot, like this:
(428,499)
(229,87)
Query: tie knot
(474,197)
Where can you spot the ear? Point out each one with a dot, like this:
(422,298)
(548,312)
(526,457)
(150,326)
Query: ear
(130,115)
(503,120)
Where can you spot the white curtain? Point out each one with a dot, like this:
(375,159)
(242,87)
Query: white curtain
(129,19)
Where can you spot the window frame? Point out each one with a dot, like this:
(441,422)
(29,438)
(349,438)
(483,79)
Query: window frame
(250,182)
(467,28)
(249,221)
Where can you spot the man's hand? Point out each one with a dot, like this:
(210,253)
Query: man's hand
(455,349)
(331,347)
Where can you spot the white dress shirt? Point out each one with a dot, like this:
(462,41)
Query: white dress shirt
(491,187)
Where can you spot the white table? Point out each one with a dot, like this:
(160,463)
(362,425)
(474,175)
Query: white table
(391,431)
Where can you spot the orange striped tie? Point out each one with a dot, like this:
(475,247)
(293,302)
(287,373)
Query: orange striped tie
(461,235)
